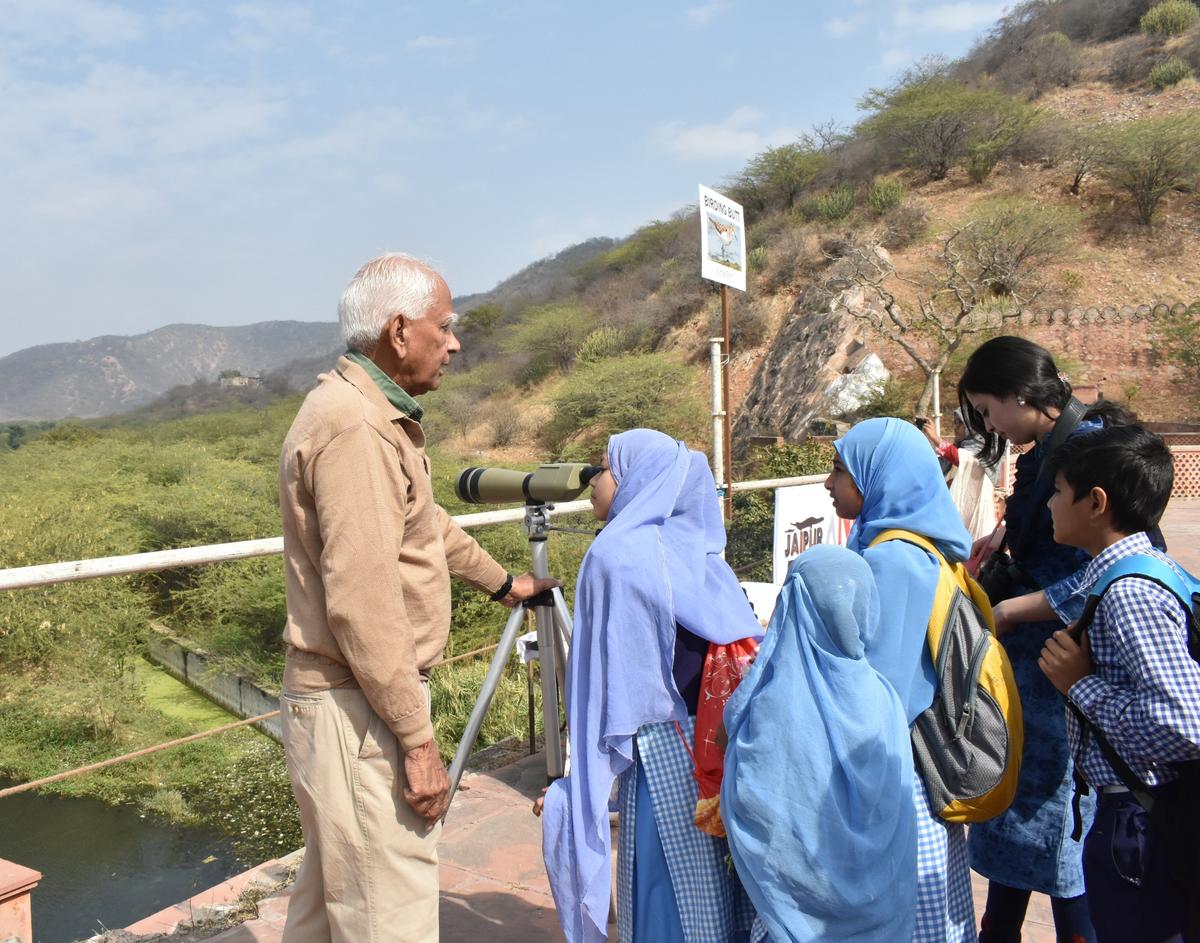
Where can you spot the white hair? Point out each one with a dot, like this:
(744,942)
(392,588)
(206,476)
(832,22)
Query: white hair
(390,284)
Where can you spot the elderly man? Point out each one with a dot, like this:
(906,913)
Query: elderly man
(368,560)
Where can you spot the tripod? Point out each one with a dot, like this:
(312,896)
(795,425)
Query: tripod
(554,640)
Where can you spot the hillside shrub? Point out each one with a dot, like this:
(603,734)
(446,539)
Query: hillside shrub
(981,160)
(601,343)
(1051,62)
(1170,18)
(937,122)
(903,226)
(885,195)
(835,204)
(1151,157)
(597,400)
(1166,74)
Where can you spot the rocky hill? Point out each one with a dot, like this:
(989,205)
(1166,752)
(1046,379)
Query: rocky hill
(113,374)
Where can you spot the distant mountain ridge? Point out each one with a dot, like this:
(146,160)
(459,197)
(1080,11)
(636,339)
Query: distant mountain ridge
(112,374)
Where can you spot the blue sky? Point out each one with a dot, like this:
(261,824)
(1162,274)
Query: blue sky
(225,163)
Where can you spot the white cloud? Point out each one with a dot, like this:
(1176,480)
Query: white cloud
(445,49)
(66,22)
(263,27)
(895,58)
(844,26)
(739,136)
(947,17)
(705,14)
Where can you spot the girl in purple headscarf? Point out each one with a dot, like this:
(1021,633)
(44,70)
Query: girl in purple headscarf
(653,592)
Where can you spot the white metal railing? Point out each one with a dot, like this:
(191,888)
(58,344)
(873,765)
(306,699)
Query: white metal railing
(48,574)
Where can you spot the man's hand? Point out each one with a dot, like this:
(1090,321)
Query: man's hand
(1064,661)
(526,586)
(427,787)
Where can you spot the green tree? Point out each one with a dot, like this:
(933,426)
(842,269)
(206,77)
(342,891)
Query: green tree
(1151,157)
(937,122)
(777,177)
(552,334)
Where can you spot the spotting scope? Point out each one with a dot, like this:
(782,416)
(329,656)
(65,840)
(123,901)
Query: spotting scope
(560,481)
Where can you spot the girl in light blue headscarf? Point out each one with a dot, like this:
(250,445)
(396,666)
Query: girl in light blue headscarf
(817,793)
(653,591)
(886,477)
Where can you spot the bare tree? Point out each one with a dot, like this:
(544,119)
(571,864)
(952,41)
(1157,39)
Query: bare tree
(954,301)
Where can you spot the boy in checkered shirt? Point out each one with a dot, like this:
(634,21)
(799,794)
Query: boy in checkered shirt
(1131,676)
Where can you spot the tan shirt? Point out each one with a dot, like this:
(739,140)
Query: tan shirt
(367,552)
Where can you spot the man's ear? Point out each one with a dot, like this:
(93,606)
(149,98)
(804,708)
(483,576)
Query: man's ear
(1099,499)
(395,334)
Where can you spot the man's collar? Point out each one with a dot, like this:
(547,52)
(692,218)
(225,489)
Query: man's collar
(392,390)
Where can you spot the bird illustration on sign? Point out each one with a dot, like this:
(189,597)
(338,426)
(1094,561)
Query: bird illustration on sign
(726,232)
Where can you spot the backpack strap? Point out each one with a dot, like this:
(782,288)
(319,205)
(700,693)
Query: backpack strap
(909,537)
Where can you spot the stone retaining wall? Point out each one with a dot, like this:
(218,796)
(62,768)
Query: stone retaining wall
(197,670)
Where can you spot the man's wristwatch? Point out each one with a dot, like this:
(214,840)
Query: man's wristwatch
(503,590)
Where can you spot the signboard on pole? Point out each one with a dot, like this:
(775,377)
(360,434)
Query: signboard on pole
(803,517)
(722,240)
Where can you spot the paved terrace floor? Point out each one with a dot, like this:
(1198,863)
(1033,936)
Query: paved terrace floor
(494,888)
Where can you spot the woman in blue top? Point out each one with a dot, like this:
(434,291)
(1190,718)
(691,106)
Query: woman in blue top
(886,477)
(817,791)
(1011,391)
(653,591)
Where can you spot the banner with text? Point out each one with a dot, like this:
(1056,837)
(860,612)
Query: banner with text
(722,240)
(803,517)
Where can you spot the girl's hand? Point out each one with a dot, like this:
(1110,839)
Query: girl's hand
(539,802)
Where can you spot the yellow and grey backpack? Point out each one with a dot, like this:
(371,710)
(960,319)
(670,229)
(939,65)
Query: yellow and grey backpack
(967,744)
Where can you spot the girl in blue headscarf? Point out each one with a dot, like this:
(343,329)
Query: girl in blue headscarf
(653,592)
(817,794)
(886,477)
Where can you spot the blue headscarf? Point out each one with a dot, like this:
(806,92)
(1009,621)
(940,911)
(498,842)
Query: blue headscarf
(657,562)
(817,793)
(902,487)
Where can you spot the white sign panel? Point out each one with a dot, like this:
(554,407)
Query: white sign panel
(803,517)
(722,240)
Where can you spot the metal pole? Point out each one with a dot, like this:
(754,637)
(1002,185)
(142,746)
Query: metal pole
(512,628)
(728,471)
(547,665)
(718,413)
(937,403)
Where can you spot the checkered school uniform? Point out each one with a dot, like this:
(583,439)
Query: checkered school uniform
(713,907)
(945,909)
(1144,692)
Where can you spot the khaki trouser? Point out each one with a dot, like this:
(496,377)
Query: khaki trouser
(370,871)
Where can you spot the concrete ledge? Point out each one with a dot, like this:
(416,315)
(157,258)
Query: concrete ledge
(198,670)
(17,883)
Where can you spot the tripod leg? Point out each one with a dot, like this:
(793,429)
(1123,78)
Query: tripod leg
(511,629)
(548,663)
(563,613)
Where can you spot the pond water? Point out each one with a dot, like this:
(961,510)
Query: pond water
(105,867)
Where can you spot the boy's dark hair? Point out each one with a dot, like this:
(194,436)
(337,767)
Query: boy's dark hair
(1013,366)
(1132,465)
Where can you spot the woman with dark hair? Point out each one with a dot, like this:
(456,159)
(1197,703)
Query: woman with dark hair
(1012,391)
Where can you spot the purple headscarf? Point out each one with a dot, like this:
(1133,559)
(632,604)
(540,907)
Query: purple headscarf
(657,562)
